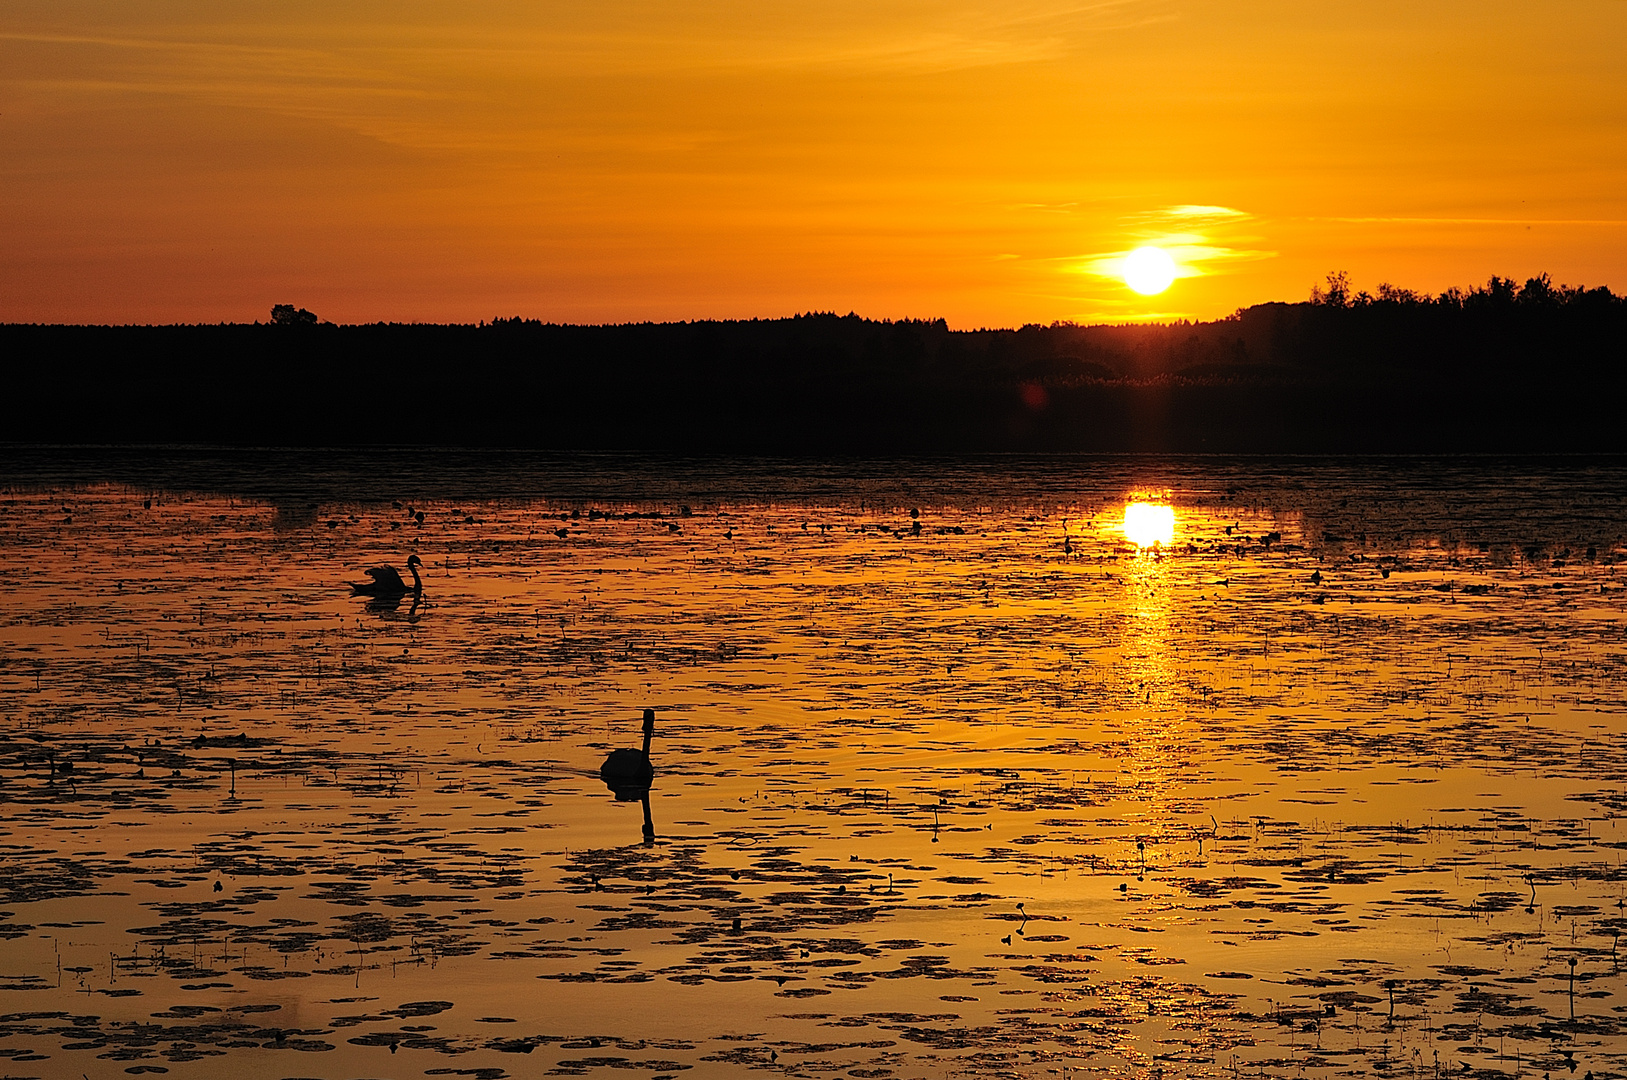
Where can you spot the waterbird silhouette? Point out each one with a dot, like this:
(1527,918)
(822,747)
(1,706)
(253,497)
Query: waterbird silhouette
(386,583)
(628,774)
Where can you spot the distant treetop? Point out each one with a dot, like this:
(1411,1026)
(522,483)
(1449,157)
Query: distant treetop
(1537,292)
(288,315)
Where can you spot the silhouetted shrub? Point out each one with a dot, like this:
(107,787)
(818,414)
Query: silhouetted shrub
(288,315)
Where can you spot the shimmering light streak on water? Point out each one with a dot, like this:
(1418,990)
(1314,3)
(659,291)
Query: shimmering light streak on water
(1328,782)
(1149,524)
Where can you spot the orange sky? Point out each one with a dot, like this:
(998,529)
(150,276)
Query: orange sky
(980,160)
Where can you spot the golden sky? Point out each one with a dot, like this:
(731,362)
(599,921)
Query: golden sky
(611,160)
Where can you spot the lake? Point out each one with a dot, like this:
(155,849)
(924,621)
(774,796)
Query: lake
(1315,770)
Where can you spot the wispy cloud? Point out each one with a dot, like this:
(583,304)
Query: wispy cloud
(610,37)
(1470,221)
(490,76)
(946,37)
(1194,212)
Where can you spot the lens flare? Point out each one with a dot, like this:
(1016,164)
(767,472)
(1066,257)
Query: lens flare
(1149,524)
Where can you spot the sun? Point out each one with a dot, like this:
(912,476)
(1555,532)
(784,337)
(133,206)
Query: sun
(1149,270)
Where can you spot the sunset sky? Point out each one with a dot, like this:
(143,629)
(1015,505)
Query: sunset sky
(987,161)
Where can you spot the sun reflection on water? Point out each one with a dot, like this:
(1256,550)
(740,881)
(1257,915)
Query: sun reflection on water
(1148,524)
(1149,584)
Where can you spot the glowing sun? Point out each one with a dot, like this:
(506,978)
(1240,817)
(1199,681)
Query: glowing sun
(1148,270)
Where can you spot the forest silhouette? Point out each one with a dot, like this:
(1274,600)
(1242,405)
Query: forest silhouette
(1503,367)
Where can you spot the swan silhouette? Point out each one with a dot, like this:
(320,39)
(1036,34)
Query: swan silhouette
(628,774)
(387,583)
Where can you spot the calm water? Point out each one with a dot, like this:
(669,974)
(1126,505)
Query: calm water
(1328,783)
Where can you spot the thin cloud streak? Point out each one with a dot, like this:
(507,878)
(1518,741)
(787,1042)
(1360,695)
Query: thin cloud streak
(1467,221)
(1216,213)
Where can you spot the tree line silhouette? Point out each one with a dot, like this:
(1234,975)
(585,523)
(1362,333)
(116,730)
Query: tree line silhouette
(1504,367)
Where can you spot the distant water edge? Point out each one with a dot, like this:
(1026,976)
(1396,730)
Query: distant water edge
(1551,493)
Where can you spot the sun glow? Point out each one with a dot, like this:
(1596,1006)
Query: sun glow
(1149,524)
(1149,270)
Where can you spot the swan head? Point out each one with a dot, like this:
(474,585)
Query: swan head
(414,560)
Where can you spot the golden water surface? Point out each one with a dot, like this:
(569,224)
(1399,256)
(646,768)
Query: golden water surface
(1326,781)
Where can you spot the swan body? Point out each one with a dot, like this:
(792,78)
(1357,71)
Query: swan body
(627,768)
(386,583)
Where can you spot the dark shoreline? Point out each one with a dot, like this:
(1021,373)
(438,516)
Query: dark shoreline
(1476,374)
